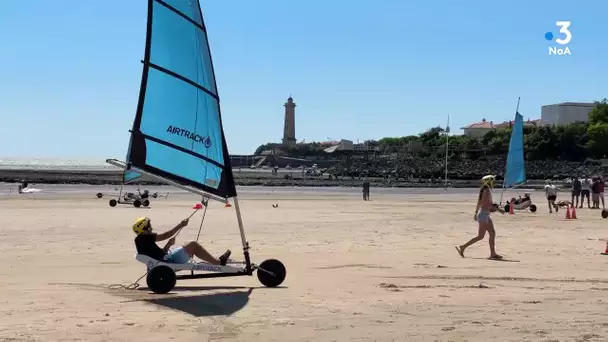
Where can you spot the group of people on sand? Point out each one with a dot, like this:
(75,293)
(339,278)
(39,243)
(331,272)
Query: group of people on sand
(585,186)
(485,206)
(590,188)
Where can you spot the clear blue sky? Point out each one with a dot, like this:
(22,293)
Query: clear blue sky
(70,69)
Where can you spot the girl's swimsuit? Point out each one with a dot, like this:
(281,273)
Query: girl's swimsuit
(483,215)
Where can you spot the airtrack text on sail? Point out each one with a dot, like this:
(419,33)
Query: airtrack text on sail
(189,135)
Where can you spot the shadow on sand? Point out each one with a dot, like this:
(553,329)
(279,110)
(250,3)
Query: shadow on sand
(499,260)
(202,305)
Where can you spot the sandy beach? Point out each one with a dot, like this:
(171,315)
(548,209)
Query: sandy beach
(384,270)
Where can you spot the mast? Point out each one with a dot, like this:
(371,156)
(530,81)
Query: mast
(504,181)
(447,141)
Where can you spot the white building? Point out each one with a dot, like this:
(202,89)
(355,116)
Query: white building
(565,113)
(342,145)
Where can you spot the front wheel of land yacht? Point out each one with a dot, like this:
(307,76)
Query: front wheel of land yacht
(161,279)
(507,208)
(604,213)
(533,208)
(137,203)
(99,195)
(145,203)
(113,202)
(271,273)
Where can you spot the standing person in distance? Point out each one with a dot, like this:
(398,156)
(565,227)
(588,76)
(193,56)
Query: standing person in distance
(366,189)
(482,215)
(595,193)
(576,191)
(601,190)
(585,191)
(551,194)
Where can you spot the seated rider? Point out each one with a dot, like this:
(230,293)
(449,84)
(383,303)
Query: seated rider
(22,186)
(145,242)
(521,200)
(145,194)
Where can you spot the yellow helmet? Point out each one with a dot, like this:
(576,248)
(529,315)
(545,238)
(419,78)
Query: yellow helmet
(141,225)
(488,181)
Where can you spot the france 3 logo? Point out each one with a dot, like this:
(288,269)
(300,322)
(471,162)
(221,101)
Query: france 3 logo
(562,49)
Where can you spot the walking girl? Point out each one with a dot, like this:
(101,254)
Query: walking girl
(482,215)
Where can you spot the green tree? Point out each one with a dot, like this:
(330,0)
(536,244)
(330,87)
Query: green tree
(542,143)
(573,139)
(597,145)
(262,148)
(433,137)
(599,114)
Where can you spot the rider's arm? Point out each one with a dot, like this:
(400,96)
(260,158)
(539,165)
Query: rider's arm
(168,233)
(169,244)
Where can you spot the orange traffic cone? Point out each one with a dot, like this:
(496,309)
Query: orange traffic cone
(606,252)
(573,212)
(568,217)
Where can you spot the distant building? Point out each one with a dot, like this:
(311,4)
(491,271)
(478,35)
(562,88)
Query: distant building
(527,123)
(478,129)
(342,145)
(360,148)
(566,113)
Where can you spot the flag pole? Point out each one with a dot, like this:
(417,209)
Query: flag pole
(504,183)
(447,141)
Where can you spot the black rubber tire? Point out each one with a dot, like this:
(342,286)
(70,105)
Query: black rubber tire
(161,279)
(137,203)
(113,202)
(274,266)
(145,203)
(99,195)
(533,208)
(507,208)
(154,195)
(604,213)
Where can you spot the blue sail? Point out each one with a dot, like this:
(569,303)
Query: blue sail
(129,176)
(516,172)
(177,133)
